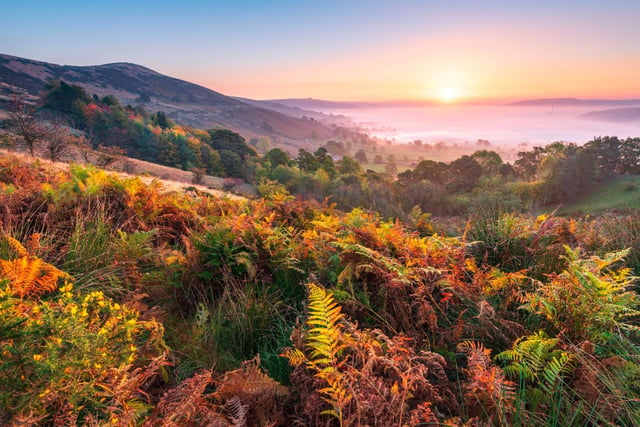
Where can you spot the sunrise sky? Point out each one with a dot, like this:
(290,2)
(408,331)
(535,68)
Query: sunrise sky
(348,50)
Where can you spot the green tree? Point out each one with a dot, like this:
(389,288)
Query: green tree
(61,96)
(463,174)
(162,120)
(225,139)
(232,163)
(490,161)
(307,161)
(277,157)
(348,165)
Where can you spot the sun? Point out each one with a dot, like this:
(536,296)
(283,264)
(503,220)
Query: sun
(448,94)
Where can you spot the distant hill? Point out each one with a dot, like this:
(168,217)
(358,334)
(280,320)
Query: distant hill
(569,102)
(185,102)
(317,104)
(620,115)
(324,105)
(293,111)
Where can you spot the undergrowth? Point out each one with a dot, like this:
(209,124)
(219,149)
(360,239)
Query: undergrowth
(125,304)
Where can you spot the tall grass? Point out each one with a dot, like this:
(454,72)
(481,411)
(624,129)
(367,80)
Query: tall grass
(248,319)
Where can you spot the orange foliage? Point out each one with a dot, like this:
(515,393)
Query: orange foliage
(29,275)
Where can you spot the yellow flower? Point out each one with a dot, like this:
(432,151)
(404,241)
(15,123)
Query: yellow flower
(37,357)
(66,287)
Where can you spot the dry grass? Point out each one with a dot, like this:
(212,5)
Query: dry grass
(172,179)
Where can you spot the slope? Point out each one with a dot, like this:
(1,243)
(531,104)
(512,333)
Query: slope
(183,101)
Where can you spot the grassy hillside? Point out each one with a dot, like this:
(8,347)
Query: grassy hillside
(621,193)
(127,303)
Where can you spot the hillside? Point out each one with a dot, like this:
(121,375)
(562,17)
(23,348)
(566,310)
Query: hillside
(622,193)
(185,102)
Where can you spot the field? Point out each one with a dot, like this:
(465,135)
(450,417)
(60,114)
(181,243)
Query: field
(622,193)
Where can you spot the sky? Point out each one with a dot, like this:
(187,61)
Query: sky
(369,50)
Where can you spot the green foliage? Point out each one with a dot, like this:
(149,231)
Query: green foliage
(62,96)
(538,366)
(61,357)
(590,300)
(246,320)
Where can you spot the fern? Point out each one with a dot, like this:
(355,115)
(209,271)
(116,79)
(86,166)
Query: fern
(537,362)
(588,300)
(250,396)
(29,275)
(324,342)
(487,391)
(237,411)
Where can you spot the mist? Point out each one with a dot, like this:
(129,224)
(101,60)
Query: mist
(503,125)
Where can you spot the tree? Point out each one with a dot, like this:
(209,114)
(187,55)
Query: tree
(58,144)
(263,144)
(348,166)
(430,170)
(198,175)
(163,122)
(307,161)
(325,161)
(463,174)
(490,161)
(232,163)
(225,139)
(27,125)
(61,96)
(361,156)
(277,157)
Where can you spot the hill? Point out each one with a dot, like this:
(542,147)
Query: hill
(572,102)
(185,102)
(618,115)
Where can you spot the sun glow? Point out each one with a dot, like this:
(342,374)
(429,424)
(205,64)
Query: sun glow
(448,94)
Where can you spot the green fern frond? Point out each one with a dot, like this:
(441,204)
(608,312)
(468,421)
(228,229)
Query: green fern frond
(536,360)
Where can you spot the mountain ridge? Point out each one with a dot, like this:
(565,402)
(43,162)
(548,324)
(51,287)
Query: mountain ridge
(183,101)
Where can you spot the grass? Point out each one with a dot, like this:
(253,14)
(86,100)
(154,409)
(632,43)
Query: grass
(621,193)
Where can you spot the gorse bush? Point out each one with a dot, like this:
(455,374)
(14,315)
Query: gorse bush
(62,355)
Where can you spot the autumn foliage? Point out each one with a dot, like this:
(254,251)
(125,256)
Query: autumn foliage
(125,304)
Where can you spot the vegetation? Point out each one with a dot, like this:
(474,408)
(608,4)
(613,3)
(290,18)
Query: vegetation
(126,304)
(341,296)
